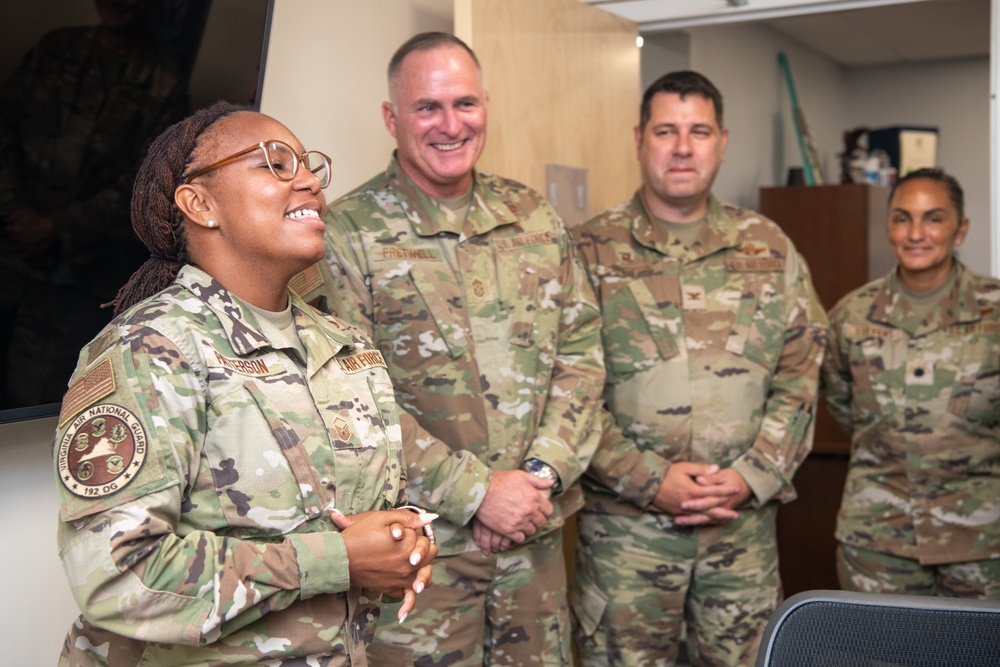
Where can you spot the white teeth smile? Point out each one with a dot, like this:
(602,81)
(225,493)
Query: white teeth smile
(302,213)
(448,147)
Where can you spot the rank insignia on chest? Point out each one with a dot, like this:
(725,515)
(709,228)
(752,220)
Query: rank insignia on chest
(693,297)
(101,451)
(342,429)
(480,290)
(920,372)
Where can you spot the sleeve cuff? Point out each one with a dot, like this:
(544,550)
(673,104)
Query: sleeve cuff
(322,561)
(764,485)
(463,501)
(644,480)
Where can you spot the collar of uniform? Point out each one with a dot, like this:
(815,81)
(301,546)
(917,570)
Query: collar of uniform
(423,211)
(243,330)
(239,323)
(959,305)
(323,337)
(719,234)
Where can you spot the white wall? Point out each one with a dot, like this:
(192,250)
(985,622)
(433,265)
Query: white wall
(39,606)
(742,61)
(326,76)
(661,53)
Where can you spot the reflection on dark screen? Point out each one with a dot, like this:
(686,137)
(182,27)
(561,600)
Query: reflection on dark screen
(76,118)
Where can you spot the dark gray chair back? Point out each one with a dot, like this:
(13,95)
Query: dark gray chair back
(844,629)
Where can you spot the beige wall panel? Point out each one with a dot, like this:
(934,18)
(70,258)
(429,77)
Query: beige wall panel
(563,80)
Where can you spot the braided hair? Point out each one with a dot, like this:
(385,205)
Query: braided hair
(155,217)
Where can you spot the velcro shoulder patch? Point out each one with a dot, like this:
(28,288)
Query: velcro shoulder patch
(306,281)
(101,451)
(95,384)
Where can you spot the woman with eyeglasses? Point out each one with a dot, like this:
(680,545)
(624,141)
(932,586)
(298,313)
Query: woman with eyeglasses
(228,457)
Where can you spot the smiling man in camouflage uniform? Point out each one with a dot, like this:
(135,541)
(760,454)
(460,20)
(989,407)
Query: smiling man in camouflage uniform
(713,342)
(469,285)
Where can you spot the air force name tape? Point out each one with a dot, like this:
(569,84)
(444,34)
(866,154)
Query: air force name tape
(101,451)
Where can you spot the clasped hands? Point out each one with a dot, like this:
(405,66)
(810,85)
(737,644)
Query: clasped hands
(517,503)
(701,493)
(515,507)
(389,552)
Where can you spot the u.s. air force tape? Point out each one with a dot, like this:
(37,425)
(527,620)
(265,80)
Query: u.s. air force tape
(101,451)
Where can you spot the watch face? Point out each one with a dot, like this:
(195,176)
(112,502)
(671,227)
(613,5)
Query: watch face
(539,469)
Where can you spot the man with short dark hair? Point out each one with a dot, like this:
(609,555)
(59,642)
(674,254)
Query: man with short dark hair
(470,286)
(713,340)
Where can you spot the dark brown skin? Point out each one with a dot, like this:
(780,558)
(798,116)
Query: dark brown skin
(389,552)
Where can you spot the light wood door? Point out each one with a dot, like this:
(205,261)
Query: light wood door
(563,84)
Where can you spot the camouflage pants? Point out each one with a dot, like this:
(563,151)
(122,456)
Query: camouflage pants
(874,572)
(640,583)
(508,609)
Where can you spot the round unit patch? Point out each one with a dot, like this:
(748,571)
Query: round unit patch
(101,451)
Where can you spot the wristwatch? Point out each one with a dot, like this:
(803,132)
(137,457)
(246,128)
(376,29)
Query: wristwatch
(539,468)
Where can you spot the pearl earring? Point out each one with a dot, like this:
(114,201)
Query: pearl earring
(212,224)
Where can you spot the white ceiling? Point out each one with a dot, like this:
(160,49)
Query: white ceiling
(878,35)
(916,32)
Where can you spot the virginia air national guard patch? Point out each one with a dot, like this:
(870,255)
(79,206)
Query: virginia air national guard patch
(101,451)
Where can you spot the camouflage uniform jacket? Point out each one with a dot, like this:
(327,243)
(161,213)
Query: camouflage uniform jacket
(197,463)
(921,400)
(713,353)
(492,336)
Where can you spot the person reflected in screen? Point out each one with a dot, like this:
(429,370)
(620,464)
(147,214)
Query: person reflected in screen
(76,118)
